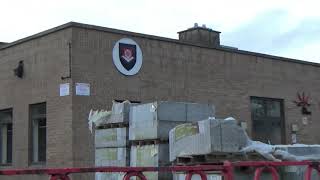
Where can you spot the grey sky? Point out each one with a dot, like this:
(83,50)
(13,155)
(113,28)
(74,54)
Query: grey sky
(289,28)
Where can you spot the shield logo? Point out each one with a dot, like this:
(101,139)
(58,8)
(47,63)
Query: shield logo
(127,55)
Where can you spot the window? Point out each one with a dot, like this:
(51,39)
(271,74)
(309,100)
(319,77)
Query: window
(267,120)
(265,107)
(39,132)
(6,136)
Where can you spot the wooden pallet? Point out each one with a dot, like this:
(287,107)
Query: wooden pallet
(216,158)
(148,142)
(113,125)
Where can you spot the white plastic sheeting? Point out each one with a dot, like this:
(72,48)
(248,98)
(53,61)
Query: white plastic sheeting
(284,152)
(97,118)
(119,113)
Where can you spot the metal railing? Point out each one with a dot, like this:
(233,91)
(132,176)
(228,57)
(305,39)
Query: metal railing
(226,169)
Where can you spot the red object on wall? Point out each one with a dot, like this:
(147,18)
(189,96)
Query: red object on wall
(303,102)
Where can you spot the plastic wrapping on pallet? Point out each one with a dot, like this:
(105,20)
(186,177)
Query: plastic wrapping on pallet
(97,118)
(207,137)
(309,152)
(151,155)
(154,120)
(118,114)
(210,176)
(115,137)
(296,152)
(112,157)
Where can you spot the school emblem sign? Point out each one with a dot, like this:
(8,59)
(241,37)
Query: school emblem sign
(127,56)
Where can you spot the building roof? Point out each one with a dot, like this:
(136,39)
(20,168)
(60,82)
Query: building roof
(152,37)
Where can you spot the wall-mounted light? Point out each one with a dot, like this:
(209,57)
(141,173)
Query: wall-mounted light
(19,70)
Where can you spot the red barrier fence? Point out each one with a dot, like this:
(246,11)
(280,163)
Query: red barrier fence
(226,169)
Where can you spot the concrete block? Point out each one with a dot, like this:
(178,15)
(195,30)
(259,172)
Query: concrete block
(154,120)
(120,112)
(112,157)
(206,137)
(151,155)
(233,137)
(115,137)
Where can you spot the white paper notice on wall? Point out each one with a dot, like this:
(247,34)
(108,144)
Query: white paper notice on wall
(64,89)
(82,89)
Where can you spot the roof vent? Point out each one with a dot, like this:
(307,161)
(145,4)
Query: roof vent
(195,25)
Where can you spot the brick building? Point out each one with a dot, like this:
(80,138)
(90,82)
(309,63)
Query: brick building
(44,119)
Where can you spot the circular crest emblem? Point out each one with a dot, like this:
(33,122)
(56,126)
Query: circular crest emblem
(127,56)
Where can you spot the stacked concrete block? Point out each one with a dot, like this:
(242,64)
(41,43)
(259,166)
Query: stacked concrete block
(206,137)
(112,144)
(120,112)
(113,137)
(154,155)
(154,120)
(112,156)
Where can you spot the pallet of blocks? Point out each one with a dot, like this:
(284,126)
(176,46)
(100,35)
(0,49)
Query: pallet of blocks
(154,120)
(215,138)
(213,141)
(111,141)
(149,126)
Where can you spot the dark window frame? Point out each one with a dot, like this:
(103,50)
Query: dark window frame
(9,139)
(41,148)
(282,114)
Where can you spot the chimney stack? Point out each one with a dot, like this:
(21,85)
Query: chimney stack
(200,35)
